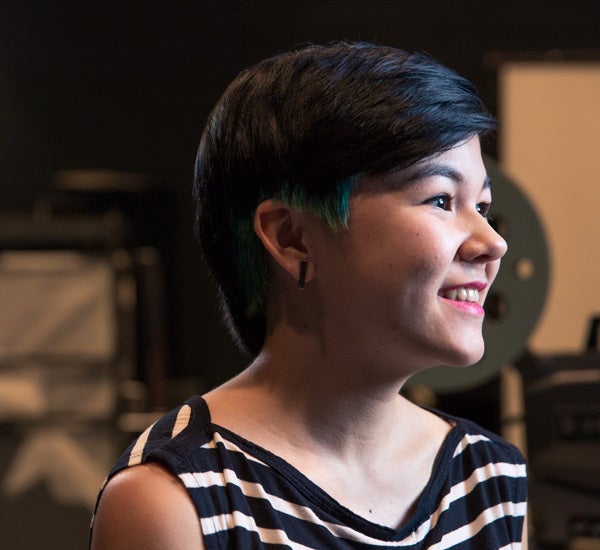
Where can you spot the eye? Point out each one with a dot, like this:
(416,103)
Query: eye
(442,201)
(484,209)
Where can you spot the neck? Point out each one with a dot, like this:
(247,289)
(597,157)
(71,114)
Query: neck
(327,399)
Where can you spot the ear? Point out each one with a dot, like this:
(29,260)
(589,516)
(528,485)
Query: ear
(282,230)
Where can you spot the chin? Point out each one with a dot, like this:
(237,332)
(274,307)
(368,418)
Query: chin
(465,357)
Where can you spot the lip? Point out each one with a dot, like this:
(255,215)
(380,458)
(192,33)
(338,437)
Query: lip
(477,285)
(472,308)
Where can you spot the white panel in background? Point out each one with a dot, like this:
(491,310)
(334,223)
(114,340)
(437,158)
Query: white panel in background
(550,144)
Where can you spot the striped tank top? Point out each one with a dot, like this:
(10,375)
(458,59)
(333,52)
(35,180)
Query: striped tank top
(248,498)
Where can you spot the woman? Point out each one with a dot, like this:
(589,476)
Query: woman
(342,207)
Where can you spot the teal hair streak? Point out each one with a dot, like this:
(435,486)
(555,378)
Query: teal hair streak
(333,208)
(250,264)
(251,260)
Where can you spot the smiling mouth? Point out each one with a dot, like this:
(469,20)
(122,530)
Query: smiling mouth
(461,294)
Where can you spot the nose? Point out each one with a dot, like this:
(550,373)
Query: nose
(482,242)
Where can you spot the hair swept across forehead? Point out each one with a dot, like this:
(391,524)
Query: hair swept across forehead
(303,126)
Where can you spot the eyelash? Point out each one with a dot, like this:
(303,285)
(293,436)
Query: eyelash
(435,201)
(483,208)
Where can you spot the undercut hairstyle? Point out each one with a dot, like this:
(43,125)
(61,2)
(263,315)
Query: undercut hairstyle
(303,127)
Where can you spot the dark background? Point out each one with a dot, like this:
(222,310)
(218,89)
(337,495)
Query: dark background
(128,86)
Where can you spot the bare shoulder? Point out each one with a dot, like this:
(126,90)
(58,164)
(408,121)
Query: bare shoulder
(146,507)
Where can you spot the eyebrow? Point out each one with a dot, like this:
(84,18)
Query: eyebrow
(423,171)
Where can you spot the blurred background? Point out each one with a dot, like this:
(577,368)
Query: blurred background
(108,315)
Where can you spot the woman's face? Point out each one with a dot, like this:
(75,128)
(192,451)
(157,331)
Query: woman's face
(407,281)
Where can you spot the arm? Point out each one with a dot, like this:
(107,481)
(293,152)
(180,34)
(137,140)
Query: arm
(525,538)
(146,507)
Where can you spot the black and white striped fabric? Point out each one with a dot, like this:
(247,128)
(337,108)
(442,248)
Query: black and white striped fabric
(248,498)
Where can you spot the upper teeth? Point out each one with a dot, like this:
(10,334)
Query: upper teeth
(462,294)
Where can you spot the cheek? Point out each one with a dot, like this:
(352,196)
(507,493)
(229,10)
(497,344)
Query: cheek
(413,277)
(402,255)
(420,275)
(424,256)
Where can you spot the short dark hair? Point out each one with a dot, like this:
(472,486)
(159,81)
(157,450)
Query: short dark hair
(303,126)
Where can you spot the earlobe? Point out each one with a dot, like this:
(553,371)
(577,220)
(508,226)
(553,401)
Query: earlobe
(281,231)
